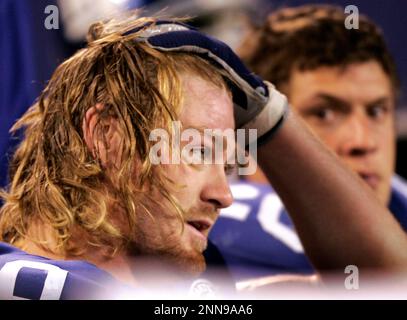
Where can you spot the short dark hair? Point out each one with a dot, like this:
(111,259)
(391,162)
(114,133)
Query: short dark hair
(312,36)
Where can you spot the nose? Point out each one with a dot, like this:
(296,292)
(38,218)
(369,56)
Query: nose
(358,139)
(217,191)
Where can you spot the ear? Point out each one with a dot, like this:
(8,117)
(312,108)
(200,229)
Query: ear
(102,136)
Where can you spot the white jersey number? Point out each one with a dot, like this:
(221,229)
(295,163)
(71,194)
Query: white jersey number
(268,215)
(53,285)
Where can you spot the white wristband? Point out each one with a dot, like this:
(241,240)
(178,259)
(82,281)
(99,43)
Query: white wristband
(271,114)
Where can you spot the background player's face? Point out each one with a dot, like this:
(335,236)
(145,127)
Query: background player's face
(352,111)
(203,190)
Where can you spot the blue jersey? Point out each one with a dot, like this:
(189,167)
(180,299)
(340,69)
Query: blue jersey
(256,236)
(26,276)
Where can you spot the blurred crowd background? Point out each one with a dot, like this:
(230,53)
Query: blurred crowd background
(29,52)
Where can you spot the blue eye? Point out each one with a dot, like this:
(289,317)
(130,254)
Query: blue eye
(377,111)
(202,150)
(323,113)
(199,154)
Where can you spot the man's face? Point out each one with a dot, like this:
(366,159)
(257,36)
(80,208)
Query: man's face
(352,111)
(202,190)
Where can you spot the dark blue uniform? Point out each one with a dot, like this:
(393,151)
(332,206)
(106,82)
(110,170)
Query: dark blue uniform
(256,236)
(24,276)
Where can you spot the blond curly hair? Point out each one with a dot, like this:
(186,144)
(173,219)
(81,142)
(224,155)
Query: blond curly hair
(55,180)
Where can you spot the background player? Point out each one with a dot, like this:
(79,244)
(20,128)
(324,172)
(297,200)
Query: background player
(343,83)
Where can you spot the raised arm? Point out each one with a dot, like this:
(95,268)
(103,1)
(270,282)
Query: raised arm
(338,218)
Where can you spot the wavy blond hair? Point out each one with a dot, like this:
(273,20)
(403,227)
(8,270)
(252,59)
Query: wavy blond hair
(55,181)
